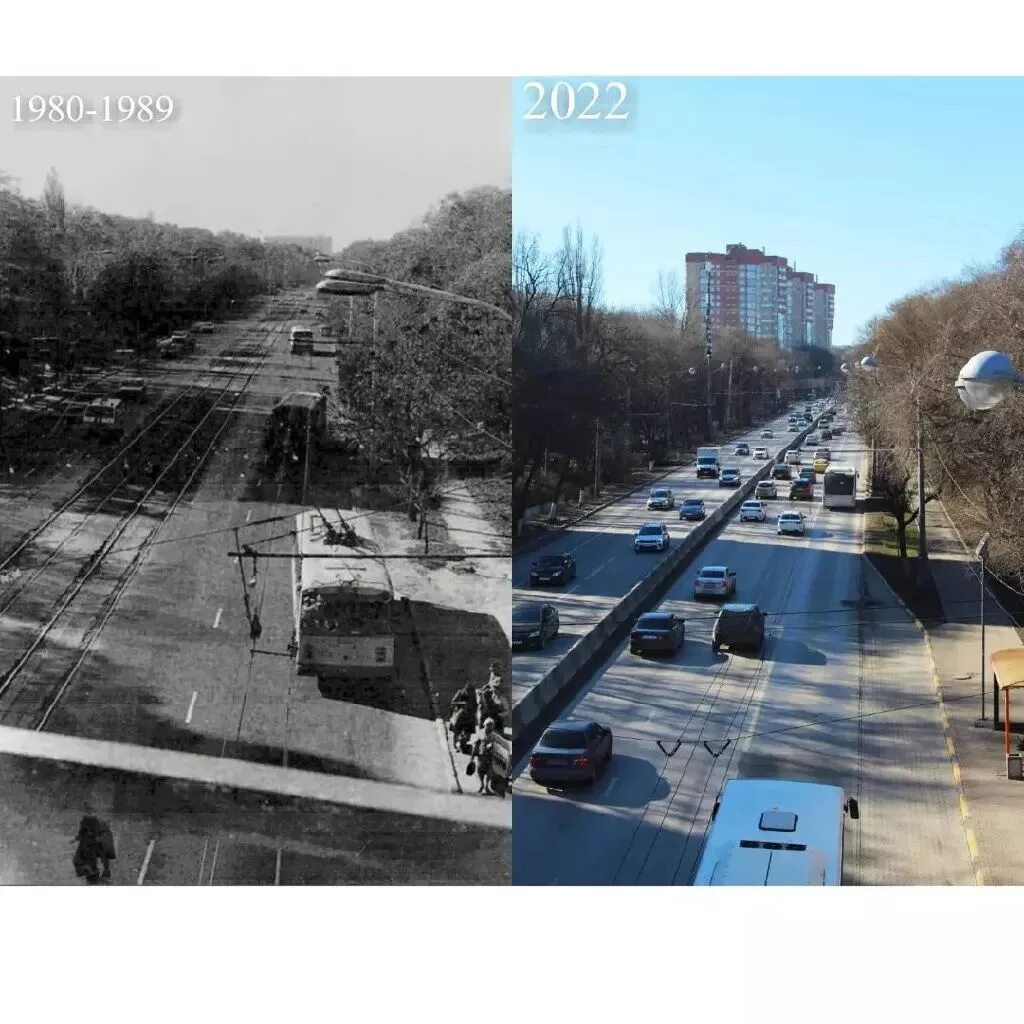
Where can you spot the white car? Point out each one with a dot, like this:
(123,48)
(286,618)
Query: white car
(729,477)
(793,457)
(791,522)
(812,439)
(651,537)
(714,581)
(767,433)
(753,511)
(661,498)
(761,453)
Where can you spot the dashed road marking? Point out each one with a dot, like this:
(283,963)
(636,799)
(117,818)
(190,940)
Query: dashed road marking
(191,707)
(216,621)
(248,515)
(145,863)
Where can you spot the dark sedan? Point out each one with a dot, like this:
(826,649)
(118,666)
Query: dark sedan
(692,508)
(657,632)
(553,569)
(801,490)
(571,752)
(533,625)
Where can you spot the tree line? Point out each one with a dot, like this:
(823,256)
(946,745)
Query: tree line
(973,461)
(77,283)
(599,387)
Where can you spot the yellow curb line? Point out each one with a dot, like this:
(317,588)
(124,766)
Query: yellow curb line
(954,761)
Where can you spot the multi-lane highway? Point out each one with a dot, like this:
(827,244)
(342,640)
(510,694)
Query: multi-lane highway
(842,694)
(607,567)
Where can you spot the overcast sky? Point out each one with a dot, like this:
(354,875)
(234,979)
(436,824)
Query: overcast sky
(351,158)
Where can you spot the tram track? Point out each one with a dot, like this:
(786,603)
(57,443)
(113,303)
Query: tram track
(35,684)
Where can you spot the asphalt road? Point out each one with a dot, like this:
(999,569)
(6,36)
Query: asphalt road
(843,695)
(173,667)
(607,566)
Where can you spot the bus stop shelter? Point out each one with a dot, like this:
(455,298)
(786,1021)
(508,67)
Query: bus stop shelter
(1007,674)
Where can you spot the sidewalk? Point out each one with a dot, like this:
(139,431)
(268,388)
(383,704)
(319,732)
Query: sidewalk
(994,805)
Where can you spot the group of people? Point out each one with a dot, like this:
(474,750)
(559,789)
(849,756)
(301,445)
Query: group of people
(475,715)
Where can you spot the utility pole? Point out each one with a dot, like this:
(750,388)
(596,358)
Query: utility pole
(728,398)
(922,532)
(982,551)
(707,348)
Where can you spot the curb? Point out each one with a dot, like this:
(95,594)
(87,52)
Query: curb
(966,818)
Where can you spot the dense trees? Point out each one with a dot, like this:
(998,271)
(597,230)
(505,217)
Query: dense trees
(94,281)
(589,378)
(974,460)
(434,374)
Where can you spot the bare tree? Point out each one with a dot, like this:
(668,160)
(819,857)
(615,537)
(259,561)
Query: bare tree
(669,299)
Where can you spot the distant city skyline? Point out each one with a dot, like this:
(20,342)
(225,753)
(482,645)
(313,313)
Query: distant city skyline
(880,186)
(349,158)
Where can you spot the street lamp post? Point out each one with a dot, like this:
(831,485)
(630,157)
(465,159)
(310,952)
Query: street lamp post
(981,551)
(707,348)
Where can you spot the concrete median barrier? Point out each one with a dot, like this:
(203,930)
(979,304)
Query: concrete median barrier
(569,674)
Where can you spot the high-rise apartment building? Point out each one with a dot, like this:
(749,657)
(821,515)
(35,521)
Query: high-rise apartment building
(760,294)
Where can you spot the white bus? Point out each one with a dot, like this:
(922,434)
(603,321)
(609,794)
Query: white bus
(839,487)
(301,340)
(776,832)
(342,603)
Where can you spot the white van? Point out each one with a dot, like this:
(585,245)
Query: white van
(776,832)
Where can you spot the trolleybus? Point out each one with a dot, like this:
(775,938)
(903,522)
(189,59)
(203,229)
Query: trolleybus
(839,488)
(776,832)
(343,595)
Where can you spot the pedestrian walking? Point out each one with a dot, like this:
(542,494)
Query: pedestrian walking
(95,844)
(483,755)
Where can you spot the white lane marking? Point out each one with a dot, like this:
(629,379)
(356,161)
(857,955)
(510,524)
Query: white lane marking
(202,863)
(216,621)
(277,868)
(213,864)
(145,862)
(248,515)
(191,707)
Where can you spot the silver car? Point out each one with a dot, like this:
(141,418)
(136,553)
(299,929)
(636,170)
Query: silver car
(651,537)
(660,499)
(760,453)
(714,581)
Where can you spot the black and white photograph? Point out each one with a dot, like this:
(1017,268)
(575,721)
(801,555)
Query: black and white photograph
(255,518)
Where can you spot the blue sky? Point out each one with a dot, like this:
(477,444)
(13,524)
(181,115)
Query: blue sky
(880,186)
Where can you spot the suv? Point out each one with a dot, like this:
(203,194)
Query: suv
(534,625)
(767,433)
(651,537)
(781,471)
(761,453)
(793,457)
(740,627)
(660,498)
(692,508)
(741,449)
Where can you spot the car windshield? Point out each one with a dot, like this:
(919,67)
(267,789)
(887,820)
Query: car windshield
(790,517)
(563,739)
(550,561)
(650,531)
(659,494)
(691,503)
(654,621)
(712,574)
(526,614)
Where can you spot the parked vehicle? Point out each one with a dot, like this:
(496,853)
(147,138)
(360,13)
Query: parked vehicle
(657,632)
(740,627)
